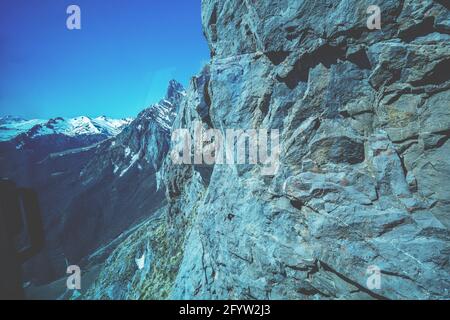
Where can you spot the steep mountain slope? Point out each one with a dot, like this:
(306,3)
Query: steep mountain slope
(364,123)
(90,195)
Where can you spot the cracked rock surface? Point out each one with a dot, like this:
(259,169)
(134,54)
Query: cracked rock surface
(364,120)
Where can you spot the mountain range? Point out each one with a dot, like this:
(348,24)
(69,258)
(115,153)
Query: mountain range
(361,192)
(22,129)
(95,185)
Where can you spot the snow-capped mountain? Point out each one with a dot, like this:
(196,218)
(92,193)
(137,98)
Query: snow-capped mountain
(12,127)
(10,119)
(92,187)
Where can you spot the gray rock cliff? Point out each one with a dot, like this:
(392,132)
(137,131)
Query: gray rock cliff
(364,122)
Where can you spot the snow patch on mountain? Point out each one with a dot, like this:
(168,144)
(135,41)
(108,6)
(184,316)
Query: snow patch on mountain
(12,127)
(163,113)
(134,158)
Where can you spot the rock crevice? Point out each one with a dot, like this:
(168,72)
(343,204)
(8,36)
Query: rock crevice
(364,168)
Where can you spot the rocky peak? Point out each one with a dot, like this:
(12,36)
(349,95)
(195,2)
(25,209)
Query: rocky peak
(164,112)
(175,91)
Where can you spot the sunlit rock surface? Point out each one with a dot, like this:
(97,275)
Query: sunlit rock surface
(364,118)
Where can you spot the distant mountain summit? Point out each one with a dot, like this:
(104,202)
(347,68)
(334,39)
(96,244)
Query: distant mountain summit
(19,128)
(175,91)
(10,119)
(164,111)
(96,179)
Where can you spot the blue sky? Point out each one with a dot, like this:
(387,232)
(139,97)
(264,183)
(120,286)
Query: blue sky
(118,63)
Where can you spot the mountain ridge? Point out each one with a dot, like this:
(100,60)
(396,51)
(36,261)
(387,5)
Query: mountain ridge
(12,127)
(92,193)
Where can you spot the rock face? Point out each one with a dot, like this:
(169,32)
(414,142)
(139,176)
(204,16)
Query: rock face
(362,189)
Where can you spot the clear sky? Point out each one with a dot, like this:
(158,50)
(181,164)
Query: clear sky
(118,63)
